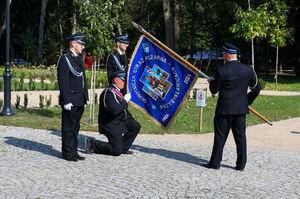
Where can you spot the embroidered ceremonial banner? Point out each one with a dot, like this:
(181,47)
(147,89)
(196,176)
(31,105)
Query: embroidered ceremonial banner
(158,83)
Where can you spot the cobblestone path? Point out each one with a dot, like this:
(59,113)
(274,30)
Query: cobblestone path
(31,167)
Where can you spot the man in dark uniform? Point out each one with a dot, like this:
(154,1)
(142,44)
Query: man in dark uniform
(73,95)
(114,121)
(118,61)
(232,81)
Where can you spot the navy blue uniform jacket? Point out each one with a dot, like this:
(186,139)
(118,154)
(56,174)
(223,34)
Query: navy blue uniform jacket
(113,111)
(73,89)
(232,81)
(112,66)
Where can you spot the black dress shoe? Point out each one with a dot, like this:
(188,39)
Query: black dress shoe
(239,168)
(127,152)
(77,156)
(88,145)
(73,159)
(210,166)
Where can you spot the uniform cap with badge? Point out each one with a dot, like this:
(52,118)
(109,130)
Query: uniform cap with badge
(229,48)
(119,74)
(122,38)
(79,37)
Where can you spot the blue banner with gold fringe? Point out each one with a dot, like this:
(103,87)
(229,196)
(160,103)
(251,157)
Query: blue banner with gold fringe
(158,83)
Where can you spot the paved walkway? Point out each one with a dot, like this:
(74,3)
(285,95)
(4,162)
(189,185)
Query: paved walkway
(163,166)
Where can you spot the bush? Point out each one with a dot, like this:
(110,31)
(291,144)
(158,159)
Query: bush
(56,86)
(52,77)
(103,81)
(1,85)
(262,84)
(48,101)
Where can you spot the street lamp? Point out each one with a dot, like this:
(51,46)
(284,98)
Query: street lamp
(7,110)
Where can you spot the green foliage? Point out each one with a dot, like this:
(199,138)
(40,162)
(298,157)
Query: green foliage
(97,19)
(56,86)
(31,81)
(251,23)
(48,101)
(267,19)
(53,77)
(286,82)
(53,52)
(278,27)
(1,85)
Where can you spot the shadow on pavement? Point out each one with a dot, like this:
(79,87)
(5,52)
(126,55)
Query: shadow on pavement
(33,146)
(185,157)
(80,138)
(295,132)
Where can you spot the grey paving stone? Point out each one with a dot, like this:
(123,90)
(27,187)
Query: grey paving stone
(31,167)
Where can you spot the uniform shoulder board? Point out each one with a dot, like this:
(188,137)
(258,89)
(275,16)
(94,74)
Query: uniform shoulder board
(59,59)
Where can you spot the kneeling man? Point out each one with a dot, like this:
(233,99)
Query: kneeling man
(114,121)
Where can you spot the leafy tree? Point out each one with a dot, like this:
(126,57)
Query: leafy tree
(169,23)
(278,29)
(97,19)
(41,32)
(251,24)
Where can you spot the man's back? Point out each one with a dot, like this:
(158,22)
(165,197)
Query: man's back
(232,81)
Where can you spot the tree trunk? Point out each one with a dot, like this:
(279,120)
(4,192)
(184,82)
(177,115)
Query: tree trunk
(169,28)
(192,45)
(176,26)
(3,20)
(41,32)
(276,72)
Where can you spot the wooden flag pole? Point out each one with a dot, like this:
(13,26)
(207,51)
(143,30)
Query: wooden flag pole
(200,119)
(148,35)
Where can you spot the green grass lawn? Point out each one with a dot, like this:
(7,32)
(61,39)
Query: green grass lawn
(286,82)
(274,108)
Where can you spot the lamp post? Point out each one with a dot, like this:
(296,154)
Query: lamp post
(7,110)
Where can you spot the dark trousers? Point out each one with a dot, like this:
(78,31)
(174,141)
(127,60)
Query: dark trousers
(222,125)
(69,130)
(118,142)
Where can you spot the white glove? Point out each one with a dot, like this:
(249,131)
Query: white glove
(127,97)
(68,107)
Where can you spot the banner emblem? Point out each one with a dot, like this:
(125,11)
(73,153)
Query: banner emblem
(146,47)
(158,82)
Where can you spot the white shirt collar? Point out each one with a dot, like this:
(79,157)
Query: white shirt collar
(116,87)
(75,54)
(121,52)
